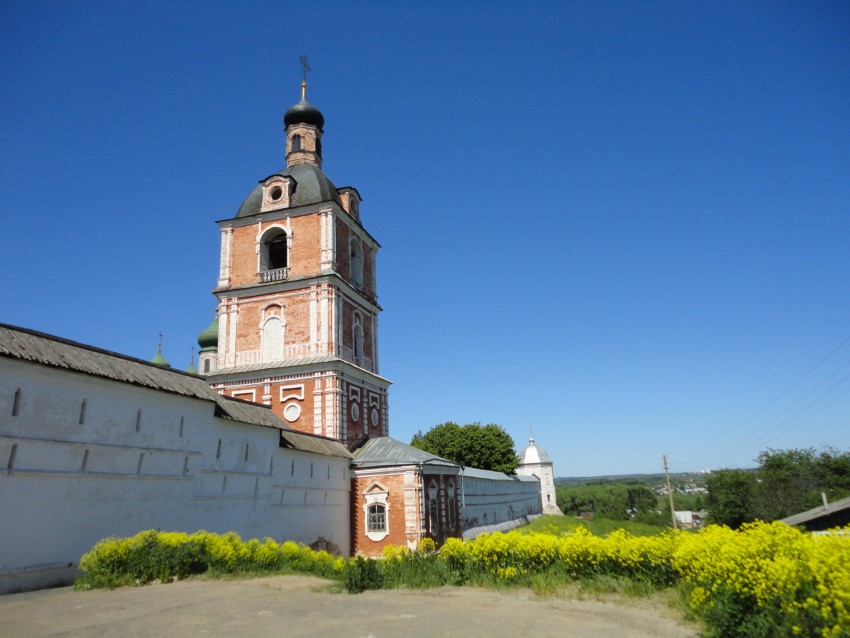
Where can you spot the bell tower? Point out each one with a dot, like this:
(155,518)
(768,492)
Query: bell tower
(297,300)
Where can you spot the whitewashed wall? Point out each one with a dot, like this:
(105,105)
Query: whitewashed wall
(492,501)
(64,485)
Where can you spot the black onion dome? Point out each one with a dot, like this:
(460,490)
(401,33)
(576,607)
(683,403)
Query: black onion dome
(304,113)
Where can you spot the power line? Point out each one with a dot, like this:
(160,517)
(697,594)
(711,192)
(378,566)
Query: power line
(769,430)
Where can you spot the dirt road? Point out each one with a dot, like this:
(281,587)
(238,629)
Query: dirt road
(296,606)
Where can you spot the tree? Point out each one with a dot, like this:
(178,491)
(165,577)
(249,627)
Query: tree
(609,500)
(731,497)
(788,483)
(833,471)
(486,447)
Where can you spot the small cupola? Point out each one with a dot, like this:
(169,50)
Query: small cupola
(208,341)
(303,124)
(158,359)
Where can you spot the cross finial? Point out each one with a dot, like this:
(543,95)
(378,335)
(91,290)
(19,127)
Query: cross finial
(306,66)
(159,345)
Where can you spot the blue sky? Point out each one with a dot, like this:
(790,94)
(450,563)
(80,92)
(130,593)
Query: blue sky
(625,223)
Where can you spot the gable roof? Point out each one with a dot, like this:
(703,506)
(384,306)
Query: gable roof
(384,451)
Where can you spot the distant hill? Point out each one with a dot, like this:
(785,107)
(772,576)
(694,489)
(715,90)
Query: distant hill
(650,479)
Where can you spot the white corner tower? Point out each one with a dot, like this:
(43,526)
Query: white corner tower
(533,461)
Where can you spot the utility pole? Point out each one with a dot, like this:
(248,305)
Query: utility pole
(670,494)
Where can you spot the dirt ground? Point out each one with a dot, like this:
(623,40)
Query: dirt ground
(295,606)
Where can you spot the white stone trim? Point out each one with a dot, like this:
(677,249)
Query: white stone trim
(225,257)
(376,494)
(327,237)
(295,391)
(292,411)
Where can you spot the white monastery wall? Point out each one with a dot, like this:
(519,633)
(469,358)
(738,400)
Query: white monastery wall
(134,459)
(492,501)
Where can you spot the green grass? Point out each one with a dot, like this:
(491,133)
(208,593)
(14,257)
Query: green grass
(558,525)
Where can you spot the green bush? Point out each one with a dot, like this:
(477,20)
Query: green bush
(166,556)
(361,574)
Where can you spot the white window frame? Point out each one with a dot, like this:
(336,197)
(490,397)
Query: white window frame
(376,494)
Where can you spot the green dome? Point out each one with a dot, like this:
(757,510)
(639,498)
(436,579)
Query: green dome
(159,360)
(208,339)
(192,369)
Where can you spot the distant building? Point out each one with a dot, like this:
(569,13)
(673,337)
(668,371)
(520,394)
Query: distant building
(689,520)
(534,461)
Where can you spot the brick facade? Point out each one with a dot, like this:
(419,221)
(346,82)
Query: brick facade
(419,504)
(297,299)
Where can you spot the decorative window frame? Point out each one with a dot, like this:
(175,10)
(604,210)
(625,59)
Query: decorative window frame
(288,392)
(264,239)
(264,336)
(376,495)
(277,193)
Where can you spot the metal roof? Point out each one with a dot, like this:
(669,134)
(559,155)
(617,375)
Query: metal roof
(472,472)
(818,512)
(222,373)
(383,451)
(533,454)
(288,363)
(312,186)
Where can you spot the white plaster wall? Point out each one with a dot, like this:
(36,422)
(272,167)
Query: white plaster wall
(500,499)
(545,474)
(65,485)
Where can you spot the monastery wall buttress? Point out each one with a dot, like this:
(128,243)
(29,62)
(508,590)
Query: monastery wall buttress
(297,299)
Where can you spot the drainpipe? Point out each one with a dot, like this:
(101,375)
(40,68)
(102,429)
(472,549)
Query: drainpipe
(462,492)
(421,533)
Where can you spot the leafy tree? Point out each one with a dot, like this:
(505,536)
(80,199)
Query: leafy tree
(785,483)
(731,497)
(486,447)
(833,472)
(608,500)
(788,483)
